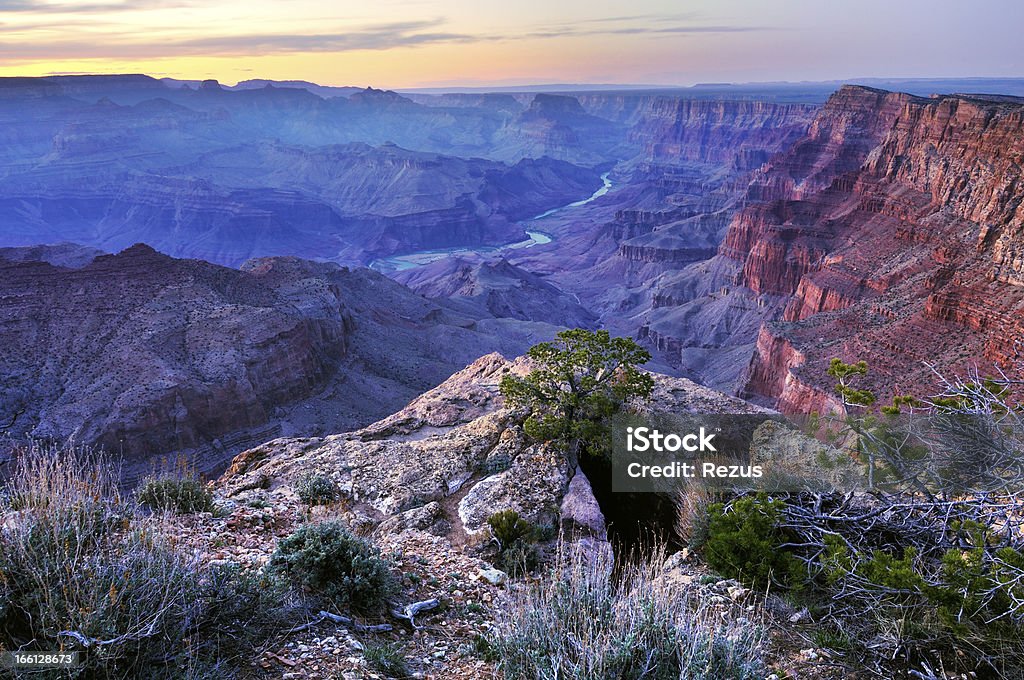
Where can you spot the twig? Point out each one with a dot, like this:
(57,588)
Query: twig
(344,621)
(410,611)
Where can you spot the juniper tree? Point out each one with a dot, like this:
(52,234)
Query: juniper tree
(581,379)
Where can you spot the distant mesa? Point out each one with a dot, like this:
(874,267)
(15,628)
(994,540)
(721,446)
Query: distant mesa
(372,96)
(553,104)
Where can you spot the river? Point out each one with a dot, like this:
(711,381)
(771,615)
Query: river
(399,263)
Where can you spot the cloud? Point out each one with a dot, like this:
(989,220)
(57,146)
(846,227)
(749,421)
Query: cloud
(684,16)
(379,37)
(374,37)
(686,29)
(573,31)
(112,41)
(35,7)
(639,24)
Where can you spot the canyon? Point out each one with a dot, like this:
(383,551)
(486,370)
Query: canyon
(299,288)
(747,237)
(204,184)
(882,227)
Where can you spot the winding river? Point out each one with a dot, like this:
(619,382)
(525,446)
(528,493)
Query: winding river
(418,259)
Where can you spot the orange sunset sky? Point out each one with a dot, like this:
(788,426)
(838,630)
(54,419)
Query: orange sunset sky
(411,43)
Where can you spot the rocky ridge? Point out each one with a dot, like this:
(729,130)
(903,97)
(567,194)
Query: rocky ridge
(147,355)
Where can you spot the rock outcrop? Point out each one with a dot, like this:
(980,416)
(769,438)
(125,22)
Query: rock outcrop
(498,288)
(457,446)
(147,355)
(557,126)
(421,484)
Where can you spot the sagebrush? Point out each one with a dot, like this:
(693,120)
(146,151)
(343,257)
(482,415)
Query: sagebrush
(517,552)
(180,492)
(316,489)
(344,571)
(81,568)
(580,623)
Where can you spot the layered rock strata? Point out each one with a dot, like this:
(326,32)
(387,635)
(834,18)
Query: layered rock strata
(894,230)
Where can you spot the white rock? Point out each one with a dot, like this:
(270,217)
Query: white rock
(494,576)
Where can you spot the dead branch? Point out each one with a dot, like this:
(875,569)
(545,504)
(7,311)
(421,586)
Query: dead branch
(344,621)
(409,612)
(9,426)
(89,642)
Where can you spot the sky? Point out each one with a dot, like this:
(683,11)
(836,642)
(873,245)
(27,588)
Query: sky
(438,43)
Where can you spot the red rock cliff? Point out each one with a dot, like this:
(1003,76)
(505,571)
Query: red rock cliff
(897,229)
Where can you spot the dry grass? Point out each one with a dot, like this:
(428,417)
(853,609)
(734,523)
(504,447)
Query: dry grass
(580,624)
(692,501)
(81,568)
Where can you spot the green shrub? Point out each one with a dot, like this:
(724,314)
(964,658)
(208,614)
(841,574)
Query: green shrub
(744,542)
(179,494)
(516,537)
(483,648)
(833,638)
(519,558)
(387,658)
(508,527)
(967,595)
(316,489)
(578,624)
(343,570)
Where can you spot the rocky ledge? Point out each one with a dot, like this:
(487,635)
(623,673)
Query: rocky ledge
(422,483)
(458,452)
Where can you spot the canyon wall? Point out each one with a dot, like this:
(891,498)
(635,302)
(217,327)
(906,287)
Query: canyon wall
(739,135)
(885,227)
(894,232)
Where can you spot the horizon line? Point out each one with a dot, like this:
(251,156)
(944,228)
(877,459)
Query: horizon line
(530,86)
